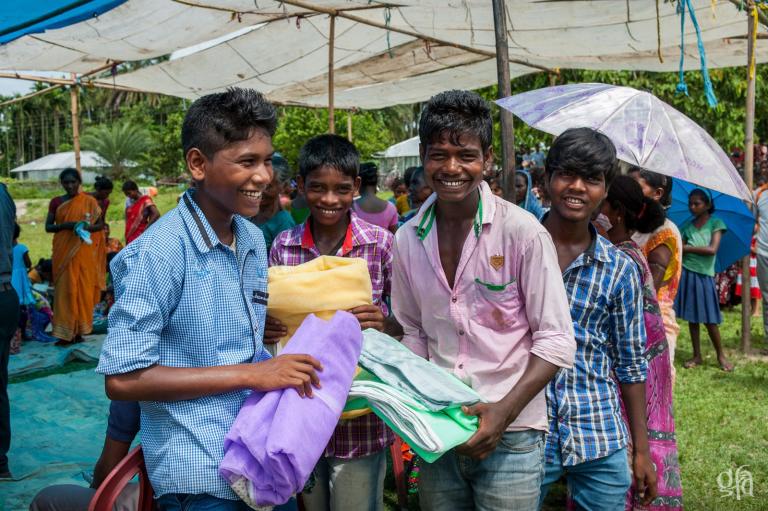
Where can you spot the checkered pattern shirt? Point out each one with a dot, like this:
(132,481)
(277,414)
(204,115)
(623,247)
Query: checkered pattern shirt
(183,299)
(585,421)
(367,434)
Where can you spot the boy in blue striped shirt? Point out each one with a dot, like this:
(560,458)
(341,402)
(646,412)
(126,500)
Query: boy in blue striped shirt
(588,438)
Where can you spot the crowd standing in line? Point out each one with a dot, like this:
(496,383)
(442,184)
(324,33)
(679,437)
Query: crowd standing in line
(568,335)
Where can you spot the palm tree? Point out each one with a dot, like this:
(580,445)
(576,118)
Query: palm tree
(120,144)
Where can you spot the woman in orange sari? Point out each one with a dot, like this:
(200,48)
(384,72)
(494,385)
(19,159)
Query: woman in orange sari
(140,212)
(102,189)
(75,274)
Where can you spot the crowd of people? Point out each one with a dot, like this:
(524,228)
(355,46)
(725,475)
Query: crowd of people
(559,307)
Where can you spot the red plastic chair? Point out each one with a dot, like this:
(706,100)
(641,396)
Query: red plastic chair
(121,475)
(396,451)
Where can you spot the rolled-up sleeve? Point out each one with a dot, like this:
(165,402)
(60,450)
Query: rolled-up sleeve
(405,306)
(546,304)
(628,328)
(147,290)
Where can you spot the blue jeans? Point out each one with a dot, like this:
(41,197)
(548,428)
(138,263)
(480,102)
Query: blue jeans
(597,485)
(508,479)
(204,502)
(348,484)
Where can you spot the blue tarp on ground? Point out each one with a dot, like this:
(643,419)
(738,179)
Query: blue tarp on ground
(37,356)
(22,17)
(57,426)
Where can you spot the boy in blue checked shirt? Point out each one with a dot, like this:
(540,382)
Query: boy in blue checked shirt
(588,437)
(185,332)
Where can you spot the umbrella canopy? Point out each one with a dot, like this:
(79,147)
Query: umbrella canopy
(646,131)
(736,215)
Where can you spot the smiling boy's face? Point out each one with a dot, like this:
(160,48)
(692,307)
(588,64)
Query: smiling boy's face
(575,197)
(235,176)
(454,170)
(329,194)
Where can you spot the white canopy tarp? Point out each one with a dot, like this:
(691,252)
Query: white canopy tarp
(286,55)
(408,147)
(60,161)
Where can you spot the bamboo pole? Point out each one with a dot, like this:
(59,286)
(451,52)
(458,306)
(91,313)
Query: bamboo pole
(75,123)
(349,124)
(331,44)
(504,90)
(749,135)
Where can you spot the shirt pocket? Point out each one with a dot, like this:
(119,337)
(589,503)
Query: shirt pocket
(495,305)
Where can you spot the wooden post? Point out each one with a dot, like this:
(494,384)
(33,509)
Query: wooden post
(349,124)
(749,136)
(75,123)
(504,90)
(331,38)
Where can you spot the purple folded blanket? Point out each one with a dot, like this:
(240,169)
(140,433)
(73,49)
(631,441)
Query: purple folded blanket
(278,437)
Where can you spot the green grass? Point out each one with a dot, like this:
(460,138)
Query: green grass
(33,209)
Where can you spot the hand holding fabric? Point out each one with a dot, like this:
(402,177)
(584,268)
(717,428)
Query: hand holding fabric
(274,330)
(286,371)
(494,419)
(369,316)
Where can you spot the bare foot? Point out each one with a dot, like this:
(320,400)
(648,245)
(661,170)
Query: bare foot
(692,363)
(725,365)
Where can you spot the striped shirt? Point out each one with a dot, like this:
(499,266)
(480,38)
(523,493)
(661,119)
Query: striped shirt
(585,420)
(184,299)
(367,434)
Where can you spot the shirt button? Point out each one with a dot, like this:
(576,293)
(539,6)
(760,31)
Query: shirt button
(461,332)
(453,299)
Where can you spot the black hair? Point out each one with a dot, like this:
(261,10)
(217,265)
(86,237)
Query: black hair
(641,213)
(130,186)
(45,265)
(455,113)
(281,168)
(216,120)
(329,151)
(584,151)
(397,181)
(369,174)
(103,183)
(408,175)
(70,172)
(655,180)
(706,197)
(16,230)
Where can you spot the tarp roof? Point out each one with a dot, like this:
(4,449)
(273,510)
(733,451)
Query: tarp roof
(286,54)
(408,147)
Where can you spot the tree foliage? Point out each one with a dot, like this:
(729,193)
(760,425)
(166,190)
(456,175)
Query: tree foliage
(122,144)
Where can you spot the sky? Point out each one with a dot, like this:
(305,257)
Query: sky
(9,87)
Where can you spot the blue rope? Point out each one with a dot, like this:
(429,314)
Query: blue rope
(709,90)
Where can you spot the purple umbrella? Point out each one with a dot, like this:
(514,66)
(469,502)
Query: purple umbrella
(646,131)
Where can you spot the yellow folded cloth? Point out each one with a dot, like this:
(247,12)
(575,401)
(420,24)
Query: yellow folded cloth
(320,287)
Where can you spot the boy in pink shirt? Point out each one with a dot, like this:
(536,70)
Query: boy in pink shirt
(478,291)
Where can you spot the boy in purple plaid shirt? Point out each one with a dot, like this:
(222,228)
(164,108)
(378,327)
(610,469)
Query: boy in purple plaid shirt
(351,473)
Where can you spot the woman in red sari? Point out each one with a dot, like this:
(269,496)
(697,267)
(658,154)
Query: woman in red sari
(75,273)
(140,212)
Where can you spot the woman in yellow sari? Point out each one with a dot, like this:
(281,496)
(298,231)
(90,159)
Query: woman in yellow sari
(75,272)
(102,189)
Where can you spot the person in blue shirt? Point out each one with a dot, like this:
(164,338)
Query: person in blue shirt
(588,438)
(185,332)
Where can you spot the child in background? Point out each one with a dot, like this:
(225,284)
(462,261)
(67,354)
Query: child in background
(272,218)
(588,437)
(754,285)
(350,475)
(21,265)
(369,207)
(418,192)
(697,301)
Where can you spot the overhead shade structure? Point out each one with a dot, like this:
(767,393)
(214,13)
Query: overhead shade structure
(21,17)
(385,54)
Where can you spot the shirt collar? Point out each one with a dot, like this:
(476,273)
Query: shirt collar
(486,208)
(200,229)
(358,234)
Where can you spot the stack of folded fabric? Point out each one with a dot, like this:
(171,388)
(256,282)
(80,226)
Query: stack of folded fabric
(321,287)
(418,400)
(278,436)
